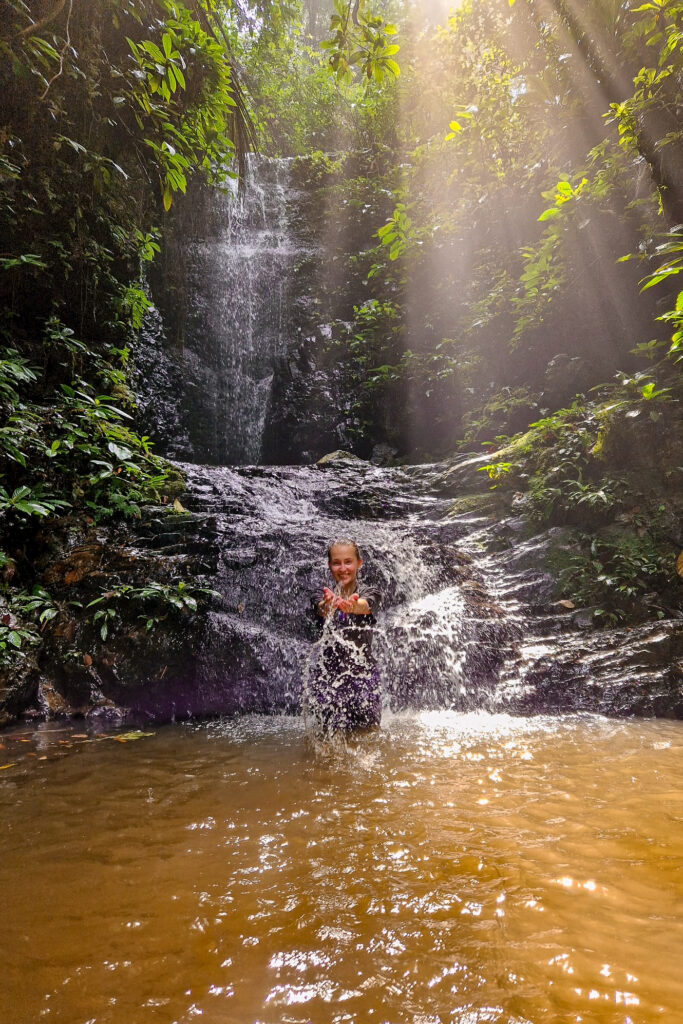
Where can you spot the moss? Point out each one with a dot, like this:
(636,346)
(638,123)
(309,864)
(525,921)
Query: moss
(174,485)
(477,504)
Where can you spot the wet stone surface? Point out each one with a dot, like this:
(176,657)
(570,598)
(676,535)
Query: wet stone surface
(465,623)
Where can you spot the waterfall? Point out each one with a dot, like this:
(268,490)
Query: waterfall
(236,324)
(265,530)
(452,628)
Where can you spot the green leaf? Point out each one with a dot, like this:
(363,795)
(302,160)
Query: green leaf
(31,508)
(661,276)
(152,49)
(120,452)
(128,737)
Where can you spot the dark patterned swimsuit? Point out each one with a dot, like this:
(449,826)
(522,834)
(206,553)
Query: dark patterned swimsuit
(344,691)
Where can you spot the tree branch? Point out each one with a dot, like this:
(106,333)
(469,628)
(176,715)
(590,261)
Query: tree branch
(67,43)
(36,27)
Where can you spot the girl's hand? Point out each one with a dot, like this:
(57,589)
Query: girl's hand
(327,603)
(346,604)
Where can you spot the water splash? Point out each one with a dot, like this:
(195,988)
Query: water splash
(270,528)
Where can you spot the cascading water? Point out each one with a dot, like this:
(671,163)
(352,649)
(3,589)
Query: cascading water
(436,642)
(453,619)
(236,323)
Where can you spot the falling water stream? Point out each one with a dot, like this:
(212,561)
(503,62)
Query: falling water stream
(236,323)
(456,866)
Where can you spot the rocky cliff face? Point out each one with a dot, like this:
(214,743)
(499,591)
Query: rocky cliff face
(246,359)
(471,617)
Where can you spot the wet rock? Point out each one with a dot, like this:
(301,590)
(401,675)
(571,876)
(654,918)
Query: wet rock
(485,504)
(18,689)
(565,377)
(107,716)
(463,474)
(336,457)
(50,701)
(462,626)
(383,455)
(538,551)
(612,672)
(584,618)
(81,562)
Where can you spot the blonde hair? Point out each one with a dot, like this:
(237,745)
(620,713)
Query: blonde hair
(345,542)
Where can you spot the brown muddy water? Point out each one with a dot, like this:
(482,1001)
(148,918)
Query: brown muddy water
(449,868)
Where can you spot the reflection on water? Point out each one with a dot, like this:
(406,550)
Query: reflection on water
(449,868)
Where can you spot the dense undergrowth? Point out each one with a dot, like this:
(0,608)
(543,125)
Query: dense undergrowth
(108,110)
(609,467)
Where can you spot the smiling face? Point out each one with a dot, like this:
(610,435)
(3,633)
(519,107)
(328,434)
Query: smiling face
(344,564)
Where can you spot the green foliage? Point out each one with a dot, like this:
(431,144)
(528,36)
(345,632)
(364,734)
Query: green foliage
(654,96)
(360,39)
(497,417)
(180,136)
(14,371)
(14,643)
(671,266)
(24,501)
(497,471)
(109,109)
(302,108)
(618,573)
(152,603)
(24,615)
(108,112)
(503,225)
(564,479)
(396,233)
(580,492)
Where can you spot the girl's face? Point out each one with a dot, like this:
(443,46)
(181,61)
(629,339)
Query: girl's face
(344,563)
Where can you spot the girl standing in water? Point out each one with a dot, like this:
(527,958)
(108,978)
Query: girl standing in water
(345,692)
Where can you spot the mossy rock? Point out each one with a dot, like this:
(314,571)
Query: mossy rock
(175,484)
(338,456)
(487,503)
